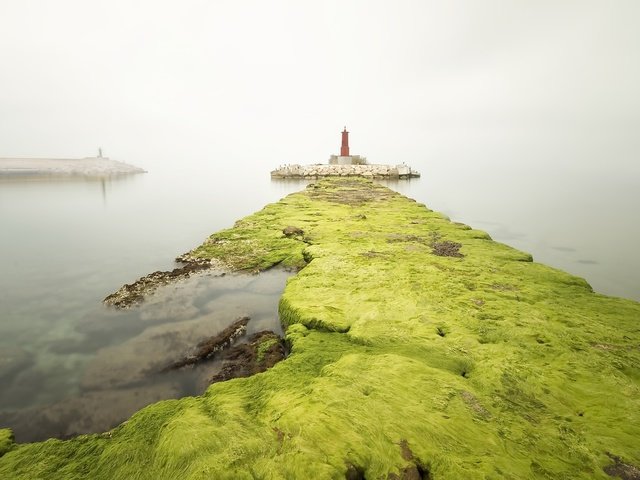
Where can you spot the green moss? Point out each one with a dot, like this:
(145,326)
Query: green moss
(249,246)
(264,347)
(484,366)
(6,440)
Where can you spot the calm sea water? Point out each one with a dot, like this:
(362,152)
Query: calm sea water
(66,244)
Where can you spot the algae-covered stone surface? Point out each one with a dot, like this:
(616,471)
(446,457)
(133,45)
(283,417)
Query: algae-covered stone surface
(419,348)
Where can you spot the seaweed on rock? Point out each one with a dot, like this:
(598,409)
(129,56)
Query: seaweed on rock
(402,363)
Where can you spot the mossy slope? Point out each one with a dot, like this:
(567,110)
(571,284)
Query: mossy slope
(483,366)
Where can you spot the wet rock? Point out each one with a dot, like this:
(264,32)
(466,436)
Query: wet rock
(149,352)
(263,350)
(211,346)
(134,293)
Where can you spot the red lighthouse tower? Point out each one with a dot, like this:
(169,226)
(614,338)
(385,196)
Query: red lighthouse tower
(344,149)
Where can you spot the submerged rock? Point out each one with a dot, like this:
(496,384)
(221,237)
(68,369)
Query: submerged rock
(209,347)
(151,351)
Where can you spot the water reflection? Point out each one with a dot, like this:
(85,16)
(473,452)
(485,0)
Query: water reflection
(107,366)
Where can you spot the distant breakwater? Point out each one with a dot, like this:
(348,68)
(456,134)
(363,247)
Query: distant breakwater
(366,171)
(88,167)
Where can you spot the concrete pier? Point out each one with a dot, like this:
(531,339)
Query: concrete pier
(89,166)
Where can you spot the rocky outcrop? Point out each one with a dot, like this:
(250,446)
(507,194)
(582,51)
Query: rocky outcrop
(366,171)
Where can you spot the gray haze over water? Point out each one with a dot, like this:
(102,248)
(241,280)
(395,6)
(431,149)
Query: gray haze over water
(523,117)
(492,87)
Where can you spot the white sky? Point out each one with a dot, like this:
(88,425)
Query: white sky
(477,82)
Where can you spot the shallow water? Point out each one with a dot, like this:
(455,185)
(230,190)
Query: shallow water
(67,243)
(109,363)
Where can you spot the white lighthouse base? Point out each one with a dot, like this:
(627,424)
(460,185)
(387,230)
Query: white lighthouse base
(347,160)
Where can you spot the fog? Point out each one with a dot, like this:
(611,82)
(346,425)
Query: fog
(261,83)
(513,111)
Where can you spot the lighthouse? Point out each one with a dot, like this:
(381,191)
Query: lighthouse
(345,158)
(344,149)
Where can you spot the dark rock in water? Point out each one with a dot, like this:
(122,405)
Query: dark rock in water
(139,358)
(292,231)
(134,293)
(263,351)
(211,346)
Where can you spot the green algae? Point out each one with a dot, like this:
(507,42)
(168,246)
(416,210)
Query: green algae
(485,365)
(264,347)
(6,441)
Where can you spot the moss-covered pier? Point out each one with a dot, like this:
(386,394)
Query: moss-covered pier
(419,348)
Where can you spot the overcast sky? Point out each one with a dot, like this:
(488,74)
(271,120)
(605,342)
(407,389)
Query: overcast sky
(479,82)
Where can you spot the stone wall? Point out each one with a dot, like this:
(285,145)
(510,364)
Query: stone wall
(322,170)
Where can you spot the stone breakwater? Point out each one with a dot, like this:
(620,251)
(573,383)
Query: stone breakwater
(89,167)
(366,171)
